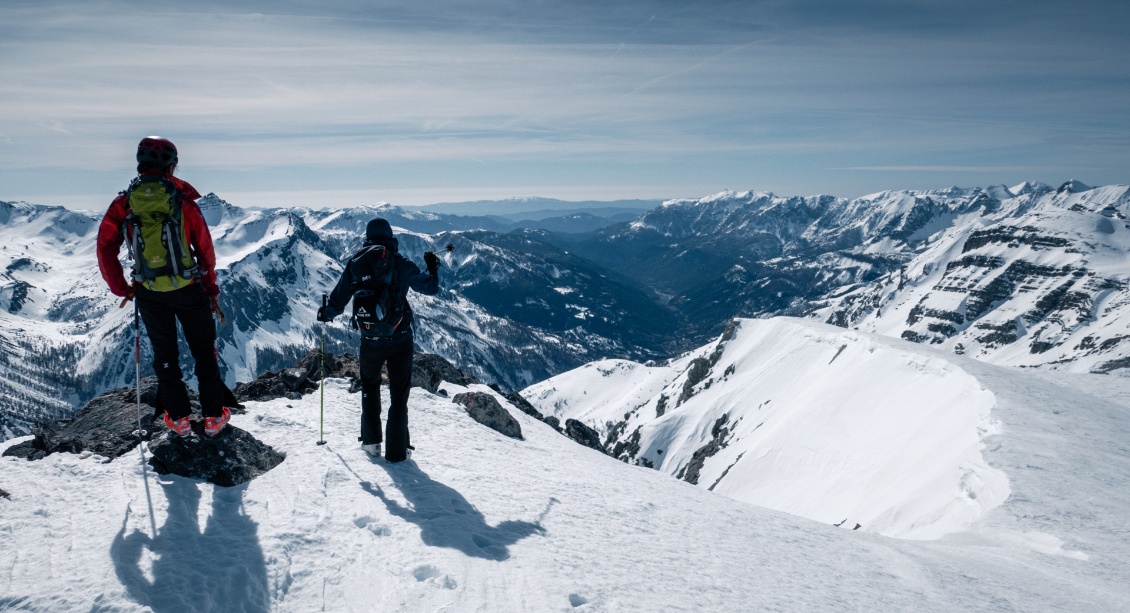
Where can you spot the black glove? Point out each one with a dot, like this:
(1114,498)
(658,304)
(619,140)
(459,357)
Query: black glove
(431,261)
(323,315)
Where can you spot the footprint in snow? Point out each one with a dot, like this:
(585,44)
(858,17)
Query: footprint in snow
(488,546)
(430,574)
(371,525)
(577,600)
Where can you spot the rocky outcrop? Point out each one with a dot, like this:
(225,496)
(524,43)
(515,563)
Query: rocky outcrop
(428,371)
(230,458)
(301,378)
(690,472)
(485,409)
(106,426)
(583,434)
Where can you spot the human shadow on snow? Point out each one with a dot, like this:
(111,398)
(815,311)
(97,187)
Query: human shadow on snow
(445,517)
(221,568)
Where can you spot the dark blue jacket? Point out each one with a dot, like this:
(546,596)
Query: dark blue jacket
(408,275)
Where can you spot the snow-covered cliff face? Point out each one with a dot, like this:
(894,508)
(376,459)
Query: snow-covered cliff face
(801,417)
(1040,279)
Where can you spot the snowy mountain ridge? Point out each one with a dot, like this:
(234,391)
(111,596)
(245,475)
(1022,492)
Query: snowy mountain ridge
(273,267)
(801,417)
(1025,275)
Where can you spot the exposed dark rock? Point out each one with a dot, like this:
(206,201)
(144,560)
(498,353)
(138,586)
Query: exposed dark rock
(614,433)
(486,410)
(553,422)
(106,426)
(661,405)
(300,379)
(19,296)
(4,494)
(626,451)
(1049,302)
(429,370)
(583,434)
(914,337)
(523,405)
(690,472)
(1112,365)
(697,373)
(230,458)
(946,330)
(981,300)
(1087,344)
(1012,235)
(1001,334)
(1111,342)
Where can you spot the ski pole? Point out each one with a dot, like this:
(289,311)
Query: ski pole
(137,376)
(322,380)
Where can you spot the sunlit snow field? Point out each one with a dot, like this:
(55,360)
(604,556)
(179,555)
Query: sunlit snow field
(480,522)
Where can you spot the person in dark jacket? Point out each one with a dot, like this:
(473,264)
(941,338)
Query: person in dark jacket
(183,288)
(393,345)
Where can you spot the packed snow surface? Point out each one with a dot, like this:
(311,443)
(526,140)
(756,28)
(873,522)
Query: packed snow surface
(480,522)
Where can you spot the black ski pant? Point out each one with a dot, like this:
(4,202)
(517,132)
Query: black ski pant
(398,357)
(190,306)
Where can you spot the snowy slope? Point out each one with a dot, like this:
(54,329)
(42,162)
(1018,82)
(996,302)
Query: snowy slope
(804,418)
(481,522)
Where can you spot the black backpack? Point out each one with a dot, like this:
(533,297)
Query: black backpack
(377,308)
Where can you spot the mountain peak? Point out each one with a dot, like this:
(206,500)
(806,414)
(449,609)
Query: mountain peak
(1072,186)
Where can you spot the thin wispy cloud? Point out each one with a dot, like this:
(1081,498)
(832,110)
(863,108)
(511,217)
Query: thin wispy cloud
(969,169)
(687,98)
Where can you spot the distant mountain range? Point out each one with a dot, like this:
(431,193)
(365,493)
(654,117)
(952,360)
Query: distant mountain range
(518,209)
(1028,275)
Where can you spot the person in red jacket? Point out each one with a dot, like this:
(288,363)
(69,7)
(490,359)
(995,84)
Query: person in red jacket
(174,279)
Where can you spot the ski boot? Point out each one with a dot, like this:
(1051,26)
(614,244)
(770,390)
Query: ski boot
(213,425)
(180,426)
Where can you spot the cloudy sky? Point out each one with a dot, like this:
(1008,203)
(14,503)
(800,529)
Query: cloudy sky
(329,103)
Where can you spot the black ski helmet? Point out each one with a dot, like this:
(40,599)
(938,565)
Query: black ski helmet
(157,152)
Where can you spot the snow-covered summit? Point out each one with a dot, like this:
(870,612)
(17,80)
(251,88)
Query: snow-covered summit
(478,521)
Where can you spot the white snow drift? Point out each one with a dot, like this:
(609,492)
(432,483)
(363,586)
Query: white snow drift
(818,421)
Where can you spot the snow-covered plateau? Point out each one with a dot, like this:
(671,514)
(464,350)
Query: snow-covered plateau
(975,487)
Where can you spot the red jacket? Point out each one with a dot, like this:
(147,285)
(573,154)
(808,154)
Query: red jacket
(110,239)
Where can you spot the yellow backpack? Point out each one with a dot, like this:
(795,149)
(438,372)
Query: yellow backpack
(158,242)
